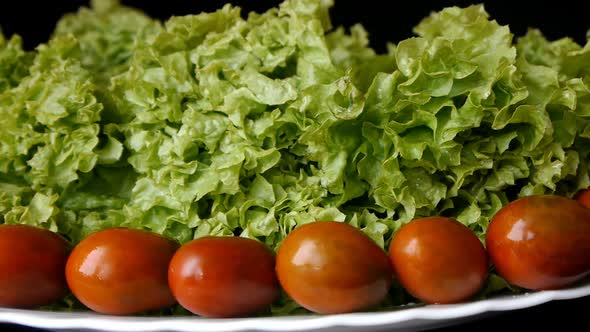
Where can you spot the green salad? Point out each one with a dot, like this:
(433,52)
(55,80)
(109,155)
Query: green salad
(250,125)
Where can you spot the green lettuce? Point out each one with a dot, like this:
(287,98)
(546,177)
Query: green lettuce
(107,34)
(14,62)
(252,125)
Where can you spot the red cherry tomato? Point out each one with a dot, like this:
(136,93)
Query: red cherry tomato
(121,271)
(438,260)
(32,262)
(541,242)
(223,276)
(332,267)
(584,197)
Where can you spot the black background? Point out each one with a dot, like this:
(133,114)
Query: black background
(385,21)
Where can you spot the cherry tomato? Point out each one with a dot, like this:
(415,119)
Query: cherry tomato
(541,242)
(121,271)
(32,262)
(584,197)
(438,260)
(332,267)
(223,276)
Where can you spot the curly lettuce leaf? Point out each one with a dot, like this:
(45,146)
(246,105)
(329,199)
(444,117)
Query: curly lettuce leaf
(107,34)
(14,62)
(352,52)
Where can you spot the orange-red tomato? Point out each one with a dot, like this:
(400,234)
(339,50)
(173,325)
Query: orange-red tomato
(223,276)
(121,271)
(332,267)
(438,260)
(541,242)
(583,196)
(32,262)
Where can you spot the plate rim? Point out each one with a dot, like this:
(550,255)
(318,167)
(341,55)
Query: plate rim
(432,313)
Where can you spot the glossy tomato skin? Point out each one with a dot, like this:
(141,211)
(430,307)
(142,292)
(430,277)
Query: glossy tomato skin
(438,260)
(541,242)
(584,197)
(223,277)
(32,262)
(331,267)
(121,271)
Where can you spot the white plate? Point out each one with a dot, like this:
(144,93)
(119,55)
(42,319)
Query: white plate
(422,317)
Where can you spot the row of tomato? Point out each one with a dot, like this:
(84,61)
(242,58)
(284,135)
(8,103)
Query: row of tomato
(537,242)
